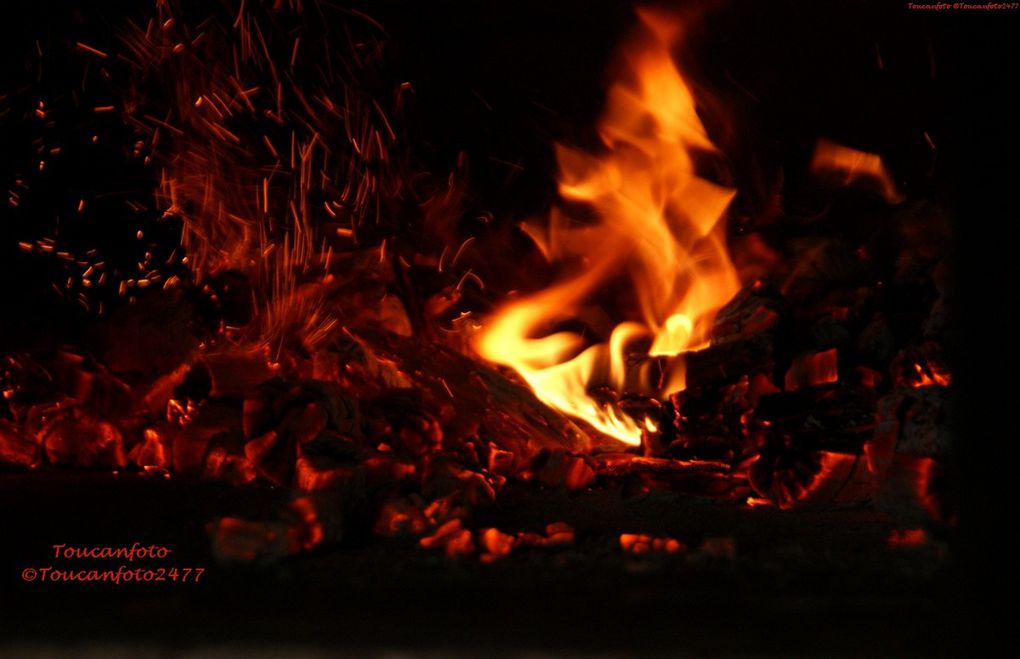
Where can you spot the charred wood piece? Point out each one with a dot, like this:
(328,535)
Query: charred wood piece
(832,417)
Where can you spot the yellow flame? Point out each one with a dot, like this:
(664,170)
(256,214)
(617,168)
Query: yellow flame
(659,223)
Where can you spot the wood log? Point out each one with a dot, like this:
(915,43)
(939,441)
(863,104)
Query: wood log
(476,398)
(717,365)
(725,363)
(913,421)
(707,478)
(627,464)
(755,310)
(833,417)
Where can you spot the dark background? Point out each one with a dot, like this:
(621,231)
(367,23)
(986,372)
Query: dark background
(501,81)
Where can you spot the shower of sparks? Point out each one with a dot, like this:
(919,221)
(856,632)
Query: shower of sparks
(275,150)
(273,140)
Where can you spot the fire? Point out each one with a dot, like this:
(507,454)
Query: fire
(659,222)
(933,375)
(849,167)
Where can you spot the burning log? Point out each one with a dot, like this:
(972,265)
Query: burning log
(561,469)
(833,417)
(800,478)
(800,435)
(756,310)
(742,345)
(718,364)
(710,478)
(725,363)
(698,424)
(705,419)
(474,397)
(617,465)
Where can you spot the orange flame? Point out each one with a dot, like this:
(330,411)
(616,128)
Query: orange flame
(658,221)
(850,167)
(933,375)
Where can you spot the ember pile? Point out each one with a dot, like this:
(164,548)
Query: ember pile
(322,322)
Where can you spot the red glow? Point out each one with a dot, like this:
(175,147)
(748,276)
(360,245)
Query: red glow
(907,538)
(495,544)
(932,375)
(812,370)
(452,538)
(642,543)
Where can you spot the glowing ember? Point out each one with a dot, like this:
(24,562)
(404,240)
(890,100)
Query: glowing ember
(492,544)
(658,221)
(267,157)
(496,544)
(930,376)
(812,370)
(641,543)
(907,538)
